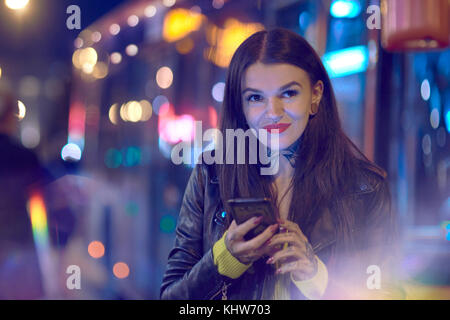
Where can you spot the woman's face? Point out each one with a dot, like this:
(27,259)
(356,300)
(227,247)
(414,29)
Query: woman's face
(279,96)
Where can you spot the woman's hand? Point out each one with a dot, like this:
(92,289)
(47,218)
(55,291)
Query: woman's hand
(248,251)
(298,258)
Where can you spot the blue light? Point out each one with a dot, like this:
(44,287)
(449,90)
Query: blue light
(345,9)
(447,120)
(347,61)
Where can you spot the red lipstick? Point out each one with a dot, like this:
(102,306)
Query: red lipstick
(280,126)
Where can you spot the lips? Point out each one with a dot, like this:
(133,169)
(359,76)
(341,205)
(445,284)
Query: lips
(280,126)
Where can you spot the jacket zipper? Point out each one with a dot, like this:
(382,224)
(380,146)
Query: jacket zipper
(223,290)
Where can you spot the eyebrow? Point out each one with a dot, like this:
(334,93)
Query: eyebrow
(281,89)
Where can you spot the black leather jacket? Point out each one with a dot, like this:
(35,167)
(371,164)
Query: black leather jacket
(191,273)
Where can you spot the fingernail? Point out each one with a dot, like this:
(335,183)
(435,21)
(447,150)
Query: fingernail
(278,271)
(274,228)
(270,260)
(258,220)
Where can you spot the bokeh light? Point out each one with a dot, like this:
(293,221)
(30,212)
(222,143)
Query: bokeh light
(22,110)
(158,102)
(169,3)
(113,114)
(121,270)
(164,77)
(132,50)
(16,4)
(71,152)
(116,58)
(113,158)
(114,29)
(30,135)
(147,110)
(96,249)
(133,111)
(218,91)
(150,11)
(425,90)
(167,224)
(133,21)
(96,36)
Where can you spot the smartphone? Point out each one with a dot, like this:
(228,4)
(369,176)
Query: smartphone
(243,209)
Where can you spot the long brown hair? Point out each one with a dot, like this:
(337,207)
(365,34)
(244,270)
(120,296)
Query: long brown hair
(328,160)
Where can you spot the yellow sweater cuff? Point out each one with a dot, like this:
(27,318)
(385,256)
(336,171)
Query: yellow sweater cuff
(314,288)
(227,265)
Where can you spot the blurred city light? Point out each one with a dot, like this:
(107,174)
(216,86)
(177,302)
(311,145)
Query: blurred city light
(113,158)
(77,124)
(0,72)
(78,43)
(116,58)
(121,270)
(114,29)
(347,61)
(178,23)
(447,120)
(38,217)
(133,21)
(96,249)
(133,111)
(167,224)
(96,36)
(71,152)
(185,46)
(345,8)
(218,91)
(132,50)
(158,102)
(113,114)
(30,135)
(147,110)
(218,4)
(150,11)
(434,118)
(100,70)
(22,110)
(169,3)
(164,77)
(224,42)
(212,113)
(425,90)
(16,4)
(132,157)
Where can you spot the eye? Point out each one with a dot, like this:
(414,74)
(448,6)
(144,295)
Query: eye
(254,98)
(290,93)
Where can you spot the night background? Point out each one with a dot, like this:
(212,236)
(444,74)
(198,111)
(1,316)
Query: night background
(101,108)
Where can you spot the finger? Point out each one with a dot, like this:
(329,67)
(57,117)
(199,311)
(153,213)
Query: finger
(232,226)
(297,266)
(258,241)
(288,254)
(290,238)
(291,227)
(242,229)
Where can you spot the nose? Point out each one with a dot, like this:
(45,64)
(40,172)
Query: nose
(275,109)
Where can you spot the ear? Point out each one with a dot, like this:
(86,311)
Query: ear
(317,93)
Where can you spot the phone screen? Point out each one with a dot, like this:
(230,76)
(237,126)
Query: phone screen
(244,209)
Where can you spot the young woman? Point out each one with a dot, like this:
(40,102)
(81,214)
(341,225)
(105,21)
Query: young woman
(335,234)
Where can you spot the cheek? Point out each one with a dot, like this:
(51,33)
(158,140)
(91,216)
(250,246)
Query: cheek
(299,108)
(253,115)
